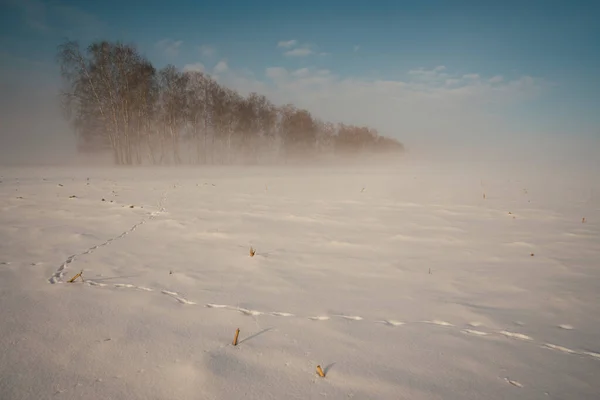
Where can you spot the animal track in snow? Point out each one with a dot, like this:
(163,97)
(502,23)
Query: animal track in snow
(57,277)
(390,322)
(395,323)
(248,312)
(216,306)
(559,348)
(282,314)
(349,317)
(130,286)
(475,324)
(180,298)
(177,297)
(387,322)
(239,309)
(92,283)
(516,335)
(592,354)
(474,332)
(513,382)
(438,322)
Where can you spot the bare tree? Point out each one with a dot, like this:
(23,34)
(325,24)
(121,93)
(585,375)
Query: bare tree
(115,99)
(103,92)
(326,132)
(197,110)
(264,127)
(299,132)
(173,106)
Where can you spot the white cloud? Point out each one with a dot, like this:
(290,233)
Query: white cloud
(296,50)
(429,107)
(356,48)
(496,79)
(206,50)
(197,67)
(221,67)
(299,52)
(429,75)
(276,73)
(169,47)
(286,44)
(301,72)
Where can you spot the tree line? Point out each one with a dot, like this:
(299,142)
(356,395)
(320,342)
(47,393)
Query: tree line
(116,100)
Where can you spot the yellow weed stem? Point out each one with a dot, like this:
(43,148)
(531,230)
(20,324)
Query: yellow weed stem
(320,371)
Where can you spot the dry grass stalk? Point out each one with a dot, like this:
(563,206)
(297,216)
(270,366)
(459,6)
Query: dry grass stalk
(235,338)
(252,252)
(79,275)
(320,371)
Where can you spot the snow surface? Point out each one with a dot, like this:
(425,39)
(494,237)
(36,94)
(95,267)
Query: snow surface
(402,283)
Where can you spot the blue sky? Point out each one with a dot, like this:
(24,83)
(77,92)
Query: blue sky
(424,70)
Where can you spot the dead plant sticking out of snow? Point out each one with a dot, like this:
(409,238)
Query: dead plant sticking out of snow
(235,338)
(79,275)
(320,371)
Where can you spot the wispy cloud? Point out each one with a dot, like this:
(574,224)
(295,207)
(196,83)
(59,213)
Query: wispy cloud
(197,67)
(294,49)
(206,50)
(431,104)
(302,72)
(169,47)
(423,73)
(299,52)
(221,67)
(276,73)
(356,48)
(286,44)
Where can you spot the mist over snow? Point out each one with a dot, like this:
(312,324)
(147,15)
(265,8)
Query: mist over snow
(225,200)
(420,279)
